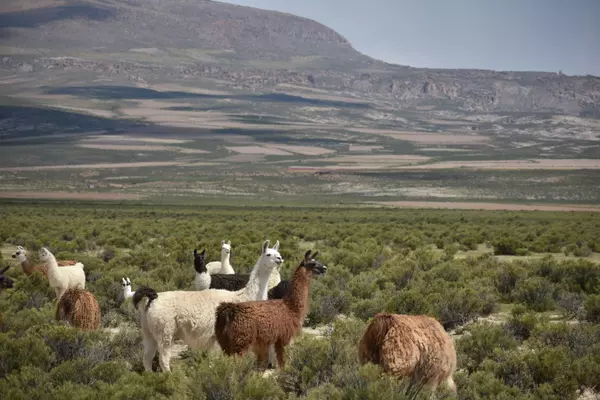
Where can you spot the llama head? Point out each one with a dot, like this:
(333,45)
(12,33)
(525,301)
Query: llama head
(199,263)
(45,255)
(20,255)
(225,247)
(309,263)
(269,258)
(125,282)
(5,281)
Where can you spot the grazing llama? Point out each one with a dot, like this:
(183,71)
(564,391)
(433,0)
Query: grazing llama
(413,346)
(190,316)
(232,282)
(5,283)
(62,279)
(29,268)
(223,266)
(80,308)
(257,325)
(126,283)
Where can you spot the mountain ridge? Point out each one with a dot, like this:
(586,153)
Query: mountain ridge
(148,40)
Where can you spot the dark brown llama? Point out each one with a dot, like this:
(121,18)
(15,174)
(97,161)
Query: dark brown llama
(5,283)
(80,308)
(410,346)
(257,325)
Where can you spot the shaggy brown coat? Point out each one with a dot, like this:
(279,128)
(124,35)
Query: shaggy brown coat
(80,308)
(413,346)
(257,325)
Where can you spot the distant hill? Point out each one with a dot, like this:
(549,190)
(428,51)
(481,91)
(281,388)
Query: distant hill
(160,40)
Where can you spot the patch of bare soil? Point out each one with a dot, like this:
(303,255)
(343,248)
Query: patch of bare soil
(537,163)
(304,150)
(94,166)
(70,195)
(358,147)
(134,138)
(489,206)
(258,150)
(175,87)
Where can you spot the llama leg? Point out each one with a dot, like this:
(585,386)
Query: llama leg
(149,351)
(280,350)
(450,384)
(272,358)
(164,356)
(262,356)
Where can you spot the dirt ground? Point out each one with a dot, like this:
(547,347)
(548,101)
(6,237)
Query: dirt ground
(489,206)
(537,163)
(70,195)
(94,166)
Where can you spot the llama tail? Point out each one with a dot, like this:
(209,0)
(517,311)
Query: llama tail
(369,348)
(226,313)
(142,292)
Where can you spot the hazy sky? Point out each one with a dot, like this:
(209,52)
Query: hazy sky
(540,35)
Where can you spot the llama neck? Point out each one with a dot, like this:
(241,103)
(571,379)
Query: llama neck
(225,265)
(257,287)
(297,297)
(128,293)
(52,269)
(26,265)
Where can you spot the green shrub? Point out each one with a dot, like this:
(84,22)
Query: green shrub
(591,307)
(536,293)
(483,341)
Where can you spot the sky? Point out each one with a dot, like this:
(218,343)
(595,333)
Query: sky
(505,35)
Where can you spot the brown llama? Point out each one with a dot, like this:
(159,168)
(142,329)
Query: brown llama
(5,283)
(258,325)
(80,308)
(29,267)
(412,346)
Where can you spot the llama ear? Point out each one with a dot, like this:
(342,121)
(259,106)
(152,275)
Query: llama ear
(307,255)
(128,281)
(222,242)
(229,242)
(203,253)
(276,247)
(123,281)
(265,246)
(195,252)
(314,255)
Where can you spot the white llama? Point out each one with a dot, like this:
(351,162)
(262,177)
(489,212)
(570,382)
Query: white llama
(223,266)
(127,293)
(190,316)
(63,278)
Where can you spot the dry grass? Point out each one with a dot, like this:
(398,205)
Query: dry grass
(489,206)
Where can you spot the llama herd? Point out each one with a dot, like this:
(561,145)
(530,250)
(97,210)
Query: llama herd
(237,313)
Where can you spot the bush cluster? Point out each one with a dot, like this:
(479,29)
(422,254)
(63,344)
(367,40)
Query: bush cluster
(379,260)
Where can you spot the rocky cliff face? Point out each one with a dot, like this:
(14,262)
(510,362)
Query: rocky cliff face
(94,35)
